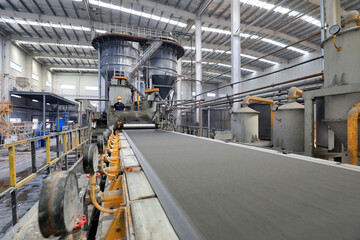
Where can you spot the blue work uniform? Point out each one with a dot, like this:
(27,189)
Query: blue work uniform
(119,106)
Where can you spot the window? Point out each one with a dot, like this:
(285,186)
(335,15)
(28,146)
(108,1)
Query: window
(91,88)
(15,66)
(71,87)
(15,120)
(35,77)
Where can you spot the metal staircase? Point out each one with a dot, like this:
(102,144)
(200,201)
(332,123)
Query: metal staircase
(129,74)
(146,55)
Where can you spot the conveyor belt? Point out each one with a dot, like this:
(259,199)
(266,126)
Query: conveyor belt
(225,191)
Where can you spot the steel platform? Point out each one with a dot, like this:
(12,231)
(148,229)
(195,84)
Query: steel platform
(215,190)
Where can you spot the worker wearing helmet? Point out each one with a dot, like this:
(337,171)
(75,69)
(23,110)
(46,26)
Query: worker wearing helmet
(119,106)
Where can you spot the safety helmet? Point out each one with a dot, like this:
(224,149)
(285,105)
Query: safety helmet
(118,98)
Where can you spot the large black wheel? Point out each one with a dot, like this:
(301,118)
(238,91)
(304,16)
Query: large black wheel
(91,158)
(58,204)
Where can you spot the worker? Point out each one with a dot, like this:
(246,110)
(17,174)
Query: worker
(119,106)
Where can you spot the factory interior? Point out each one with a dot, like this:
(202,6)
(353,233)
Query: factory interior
(179,119)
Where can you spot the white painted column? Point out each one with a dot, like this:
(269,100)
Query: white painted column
(179,90)
(198,68)
(235,48)
(5,86)
(332,13)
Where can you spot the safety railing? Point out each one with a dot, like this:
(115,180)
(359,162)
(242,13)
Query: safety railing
(194,130)
(67,142)
(137,31)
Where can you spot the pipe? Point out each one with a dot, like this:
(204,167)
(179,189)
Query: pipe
(92,180)
(268,86)
(294,92)
(352,134)
(248,99)
(102,167)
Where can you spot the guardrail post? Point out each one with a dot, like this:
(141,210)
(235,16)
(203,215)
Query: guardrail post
(65,151)
(12,166)
(33,156)
(14,208)
(12,171)
(48,160)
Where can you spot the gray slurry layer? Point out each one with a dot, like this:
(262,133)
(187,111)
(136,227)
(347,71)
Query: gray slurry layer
(232,192)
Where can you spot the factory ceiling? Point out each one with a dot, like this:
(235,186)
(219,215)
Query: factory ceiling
(59,32)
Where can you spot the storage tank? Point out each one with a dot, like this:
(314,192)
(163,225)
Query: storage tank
(246,127)
(289,127)
(116,56)
(165,59)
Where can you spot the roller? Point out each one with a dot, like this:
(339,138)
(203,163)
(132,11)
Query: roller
(139,126)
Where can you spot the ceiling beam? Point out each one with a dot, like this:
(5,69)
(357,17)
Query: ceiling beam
(153,5)
(82,57)
(257,69)
(245,51)
(220,21)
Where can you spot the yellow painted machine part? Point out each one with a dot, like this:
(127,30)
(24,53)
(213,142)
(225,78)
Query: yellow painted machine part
(102,167)
(248,99)
(352,134)
(295,92)
(93,199)
(12,166)
(117,227)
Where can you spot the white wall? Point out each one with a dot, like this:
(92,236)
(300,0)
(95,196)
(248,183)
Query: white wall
(79,82)
(186,90)
(29,66)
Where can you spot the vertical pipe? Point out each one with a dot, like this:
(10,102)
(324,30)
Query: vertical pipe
(80,115)
(209,129)
(99,76)
(191,66)
(235,49)
(179,91)
(44,113)
(198,68)
(57,116)
(322,20)
(333,17)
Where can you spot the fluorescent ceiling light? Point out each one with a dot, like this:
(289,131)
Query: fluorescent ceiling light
(219,64)
(56,44)
(14,95)
(67,87)
(281,10)
(34,100)
(211,94)
(137,13)
(74,69)
(47,103)
(91,88)
(44,24)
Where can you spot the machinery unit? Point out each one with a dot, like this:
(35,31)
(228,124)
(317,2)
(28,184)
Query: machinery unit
(246,129)
(289,127)
(341,89)
(120,64)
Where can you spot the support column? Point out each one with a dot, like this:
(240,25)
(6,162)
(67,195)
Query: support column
(99,75)
(5,85)
(198,68)
(44,113)
(332,10)
(178,91)
(235,49)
